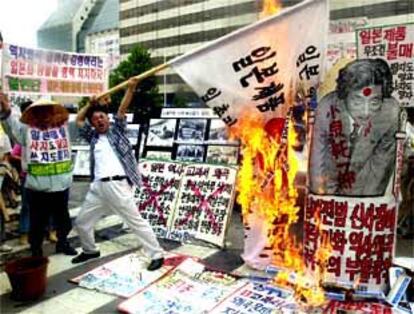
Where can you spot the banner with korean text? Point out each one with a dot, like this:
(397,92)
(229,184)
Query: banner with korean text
(204,203)
(257,70)
(39,71)
(49,151)
(157,195)
(360,236)
(185,201)
(394,44)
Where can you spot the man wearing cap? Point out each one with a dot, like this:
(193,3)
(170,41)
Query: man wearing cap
(113,170)
(46,157)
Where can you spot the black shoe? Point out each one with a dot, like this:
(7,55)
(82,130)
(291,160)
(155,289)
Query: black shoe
(155,264)
(37,252)
(83,257)
(65,248)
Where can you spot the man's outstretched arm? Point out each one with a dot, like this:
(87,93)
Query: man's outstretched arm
(126,101)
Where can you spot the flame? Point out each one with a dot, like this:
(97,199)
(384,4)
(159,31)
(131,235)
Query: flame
(274,197)
(270,7)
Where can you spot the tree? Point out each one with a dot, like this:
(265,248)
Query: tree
(146,100)
(184,99)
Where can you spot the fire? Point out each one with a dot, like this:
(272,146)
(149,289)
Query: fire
(266,189)
(267,192)
(270,7)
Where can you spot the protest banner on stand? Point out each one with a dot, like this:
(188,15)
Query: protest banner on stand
(204,203)
(184,201)
(394,44)
(360,234)
(40,71)
(157,196)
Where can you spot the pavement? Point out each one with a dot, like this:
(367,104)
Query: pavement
(114,241)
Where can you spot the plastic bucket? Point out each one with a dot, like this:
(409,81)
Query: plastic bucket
(28,277)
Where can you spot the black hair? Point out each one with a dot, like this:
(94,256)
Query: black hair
(95,108)
(363,72)
(25,104)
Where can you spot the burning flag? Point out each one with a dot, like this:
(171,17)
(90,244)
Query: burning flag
(255,70)
(260,81)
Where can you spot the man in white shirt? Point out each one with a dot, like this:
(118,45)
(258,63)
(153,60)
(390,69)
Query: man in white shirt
(114,173)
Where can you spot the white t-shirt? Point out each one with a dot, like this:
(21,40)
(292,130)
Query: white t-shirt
(107,163)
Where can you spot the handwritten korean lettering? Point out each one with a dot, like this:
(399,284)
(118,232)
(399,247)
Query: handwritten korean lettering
(257,55)
(210,94)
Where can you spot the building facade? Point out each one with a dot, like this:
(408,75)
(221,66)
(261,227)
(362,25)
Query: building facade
(170,28)
(103,35)
(73,21)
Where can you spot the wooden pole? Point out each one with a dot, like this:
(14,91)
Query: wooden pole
(139,77)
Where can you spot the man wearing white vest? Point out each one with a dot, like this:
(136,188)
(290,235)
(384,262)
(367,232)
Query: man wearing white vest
(113,169)
(46,157)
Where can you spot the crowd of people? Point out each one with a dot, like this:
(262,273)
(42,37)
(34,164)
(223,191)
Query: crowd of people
(42,151)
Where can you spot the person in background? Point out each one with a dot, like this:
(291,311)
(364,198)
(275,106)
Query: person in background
(5,148)
(16,156)
(46,157)
(113,169)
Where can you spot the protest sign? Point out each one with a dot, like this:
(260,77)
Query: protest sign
(204,203)
(48,151)
(184,291)
(395,44)
(40,71)
(157,196)
(123,276)
(360,236)
(258,298)
(183,201)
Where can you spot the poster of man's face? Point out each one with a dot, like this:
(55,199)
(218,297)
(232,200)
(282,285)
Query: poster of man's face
(353,147)
(194,153)
(226,155)
(191,130)
(161,132)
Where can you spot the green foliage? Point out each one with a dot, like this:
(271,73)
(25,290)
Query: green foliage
(146,97)
(83,102)
(183,98)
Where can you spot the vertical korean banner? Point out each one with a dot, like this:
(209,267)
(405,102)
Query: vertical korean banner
(255,74)
(256,70)
(157,196)
(204,205)
(355,161)
(39,71)
(394,44)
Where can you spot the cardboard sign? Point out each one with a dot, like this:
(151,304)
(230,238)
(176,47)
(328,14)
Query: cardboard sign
(157,196)
(204,203)
(395,44)
(183,292)
(183,201)
(361,233)
(123,276)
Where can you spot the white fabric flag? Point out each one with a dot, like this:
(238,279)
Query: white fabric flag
(257,69)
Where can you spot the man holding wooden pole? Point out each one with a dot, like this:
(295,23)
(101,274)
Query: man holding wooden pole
(114,173)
